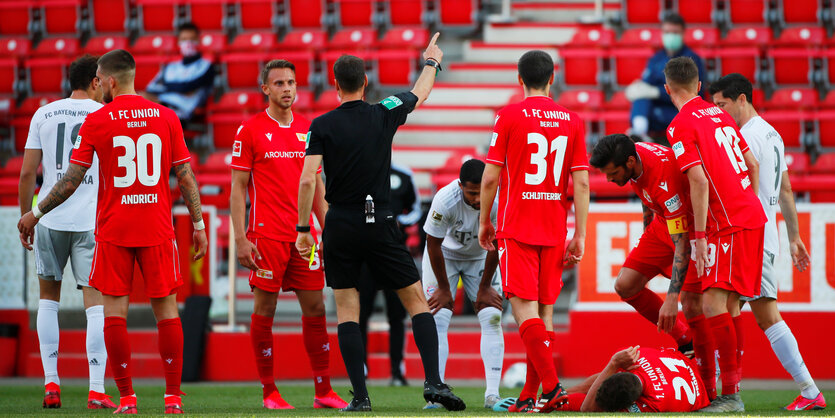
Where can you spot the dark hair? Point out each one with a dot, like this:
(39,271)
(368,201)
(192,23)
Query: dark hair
(618,392)
(187,26)
(615,149)
(349,72)
(82,72)
(681,72)
(272,65)
(471,171)
(732,85)
(673,18)
(536,68)
(118,64)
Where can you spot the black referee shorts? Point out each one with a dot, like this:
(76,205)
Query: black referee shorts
(348,242)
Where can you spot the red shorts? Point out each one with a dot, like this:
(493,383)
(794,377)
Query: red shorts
(282,268)
(735,262)
(654,253)
(531,272)
(112,270)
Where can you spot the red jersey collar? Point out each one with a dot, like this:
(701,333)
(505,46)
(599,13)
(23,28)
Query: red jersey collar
(687,103)
(292,117)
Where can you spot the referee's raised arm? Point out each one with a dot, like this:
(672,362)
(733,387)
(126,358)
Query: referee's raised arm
(432,65)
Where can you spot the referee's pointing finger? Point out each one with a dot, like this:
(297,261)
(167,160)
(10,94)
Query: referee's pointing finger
(434,39)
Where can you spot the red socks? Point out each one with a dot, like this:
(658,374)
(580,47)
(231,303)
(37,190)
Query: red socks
(261,334)
(703,348)
(647,303)
(538,347)
(532,381)
(739,351)
(171,352)
(724,335)
(118,352)
(315,334)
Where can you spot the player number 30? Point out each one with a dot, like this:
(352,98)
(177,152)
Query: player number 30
(135,161)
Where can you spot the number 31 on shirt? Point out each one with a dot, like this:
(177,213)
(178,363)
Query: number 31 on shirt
(557,145)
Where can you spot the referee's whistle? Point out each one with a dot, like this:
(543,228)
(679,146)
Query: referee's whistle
(369,209)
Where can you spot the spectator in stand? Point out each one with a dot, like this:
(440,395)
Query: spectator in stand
(652,109)
(184,85)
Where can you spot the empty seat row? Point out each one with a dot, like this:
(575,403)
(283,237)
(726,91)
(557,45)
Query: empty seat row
(731,12)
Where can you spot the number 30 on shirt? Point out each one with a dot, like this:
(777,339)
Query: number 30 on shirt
(557,145)
(135,160)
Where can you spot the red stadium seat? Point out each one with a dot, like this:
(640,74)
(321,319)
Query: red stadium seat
(327,100)
(395,67)
(630,63)
(208,15)
(797,162)
(789,124)
(804,36)
(746,11)
(800,11)
(238,101)
(223,127)
(304,100)
(581,66)
(15,17)
(829,64)
(8,75)
(306,13)
(825,164)
(32,103)
(804,99)
(615,122)
(243,69)
(354,39)
(826,127)
(212,43)
(618,101)
(14,47)
(579,100)
(256,14)
(47,75)
(793,65)
(109,16)
(217,162)
(355,12)
(456,12)
(147,67)
(330,57)
(640,37)
(161,44)
(253,41)
(405,12)
(57,47)
(702,36)
(60,16)
(305,39)
(99,45)
(7,109)
(595,37)
(696,11)
(745,61)
(758,36)
(828,102)
(157,15)
(641,11)
(405,37)
(215,189)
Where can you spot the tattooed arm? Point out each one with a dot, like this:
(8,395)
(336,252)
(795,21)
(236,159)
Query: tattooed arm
(681,262)
(59,193)
(648,216)
(191,195)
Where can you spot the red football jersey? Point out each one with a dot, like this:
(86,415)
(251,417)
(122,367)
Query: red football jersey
(274,156)
(137,142)
(662,187)
(704,134)
(671,383)
(537,143)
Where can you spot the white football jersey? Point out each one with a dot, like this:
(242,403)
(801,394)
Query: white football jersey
(53,130)
(456,222)
(767,146)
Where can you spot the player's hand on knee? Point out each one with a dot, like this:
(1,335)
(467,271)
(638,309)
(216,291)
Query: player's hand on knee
(201,244)
(667,315)
(247,254)
(442,298)
(488,297)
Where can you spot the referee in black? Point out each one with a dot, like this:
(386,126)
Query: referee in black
(354,143)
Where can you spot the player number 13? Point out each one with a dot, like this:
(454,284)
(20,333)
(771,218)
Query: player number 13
(135,161)
(557,145)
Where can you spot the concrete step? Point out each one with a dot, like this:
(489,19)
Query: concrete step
(504,52)
(479,72)
(450,94)
(529,33)
(561,10)
(452,115)
(423,135)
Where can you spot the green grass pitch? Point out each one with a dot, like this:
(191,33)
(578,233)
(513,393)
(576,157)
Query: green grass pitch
(245,400)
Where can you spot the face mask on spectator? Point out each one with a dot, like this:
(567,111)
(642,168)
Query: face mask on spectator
(672,41)
(189,48)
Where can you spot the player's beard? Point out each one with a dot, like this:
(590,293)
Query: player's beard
(106,96)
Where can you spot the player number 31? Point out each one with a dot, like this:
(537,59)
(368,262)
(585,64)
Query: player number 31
(135,161)
(558,145)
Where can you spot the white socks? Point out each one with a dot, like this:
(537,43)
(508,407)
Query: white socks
(96,351)
(492,348)
(48,338)
(442,318)
(785,347)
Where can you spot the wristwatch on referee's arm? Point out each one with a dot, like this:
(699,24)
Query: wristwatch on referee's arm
(432,62)
(304,229)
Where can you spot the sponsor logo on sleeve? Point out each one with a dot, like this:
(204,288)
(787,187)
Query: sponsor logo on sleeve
(239,129)
(391,102)
(77,143)
(236,149)
(678,149)
(437,216)
(673,204)
(307,140)
(493,139)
